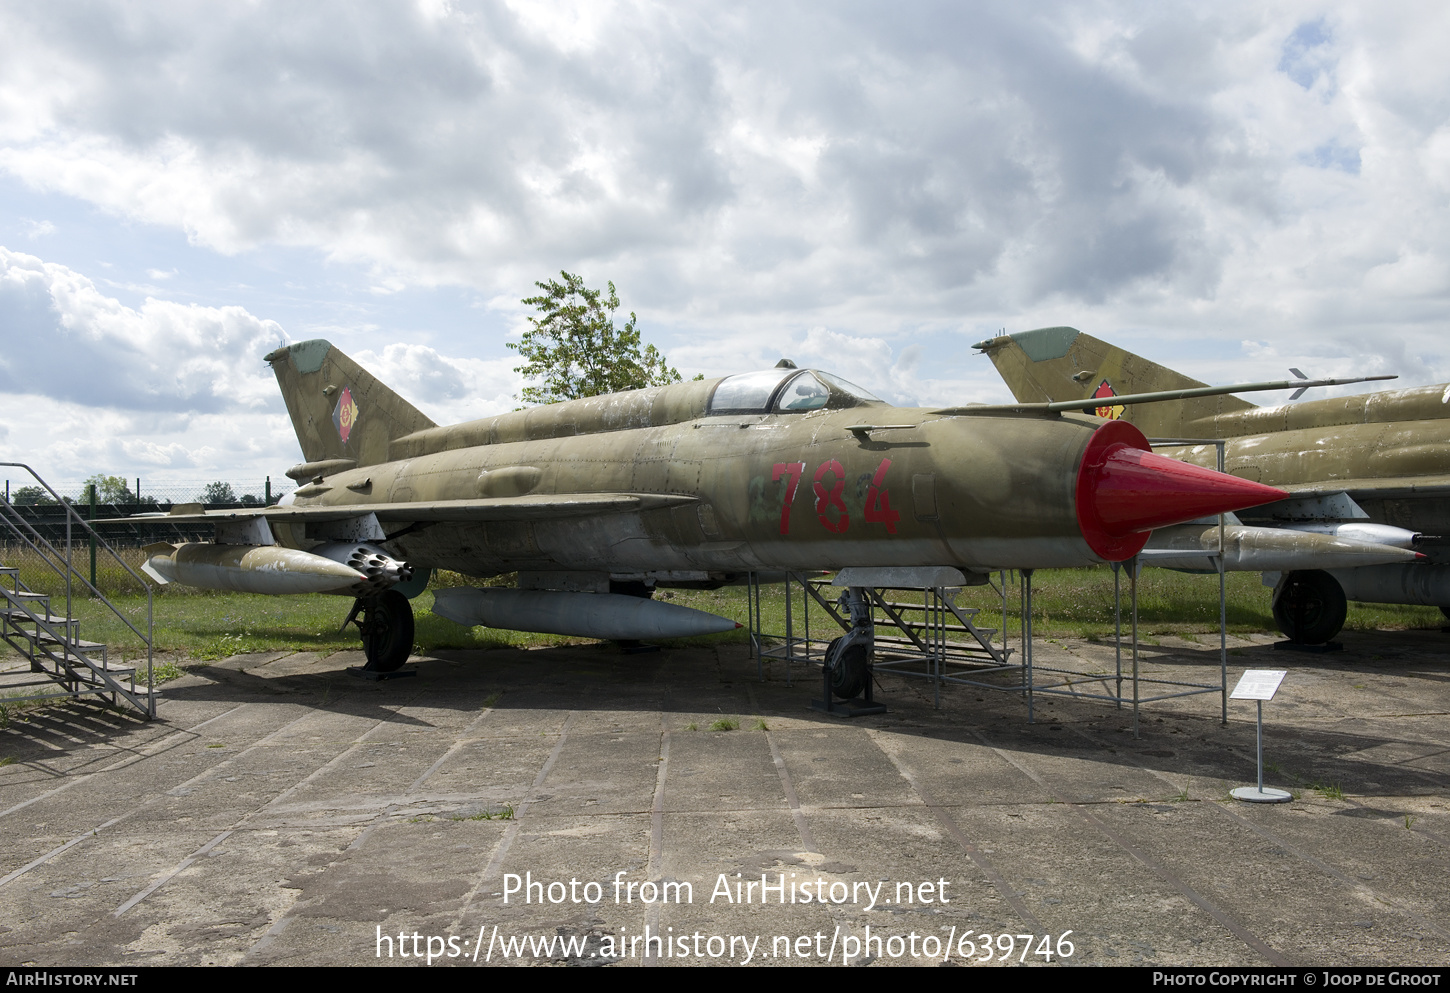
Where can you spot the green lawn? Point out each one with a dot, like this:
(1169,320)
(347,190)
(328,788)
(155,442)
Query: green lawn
(1067,603)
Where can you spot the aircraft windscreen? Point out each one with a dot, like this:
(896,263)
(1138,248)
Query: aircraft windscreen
(850,388)
(748,391)
(805,392)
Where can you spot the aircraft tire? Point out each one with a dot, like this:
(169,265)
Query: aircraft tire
(387,631)
(849,670)
(1310,607)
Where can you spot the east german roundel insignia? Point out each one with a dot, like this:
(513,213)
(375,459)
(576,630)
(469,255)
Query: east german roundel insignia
(344,416)
(1112,412)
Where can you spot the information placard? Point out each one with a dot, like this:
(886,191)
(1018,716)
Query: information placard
(1258,684)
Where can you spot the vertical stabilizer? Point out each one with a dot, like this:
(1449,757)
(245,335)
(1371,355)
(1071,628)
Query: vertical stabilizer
(338,409)
(1064,364)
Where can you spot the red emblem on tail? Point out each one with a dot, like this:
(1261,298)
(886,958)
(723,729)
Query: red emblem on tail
(344,418)
(1105,389)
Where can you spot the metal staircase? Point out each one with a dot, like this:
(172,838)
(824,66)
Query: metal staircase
(32,624)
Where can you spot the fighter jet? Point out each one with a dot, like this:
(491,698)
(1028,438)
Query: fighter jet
(597,502)
(1368,476)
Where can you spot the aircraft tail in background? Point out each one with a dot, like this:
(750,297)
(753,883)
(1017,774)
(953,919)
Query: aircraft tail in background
(1051,364)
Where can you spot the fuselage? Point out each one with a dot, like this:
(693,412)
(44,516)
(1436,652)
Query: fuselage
(769,490)
(1384,448)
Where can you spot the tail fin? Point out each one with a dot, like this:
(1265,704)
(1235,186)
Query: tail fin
(338,409)
(1065,364)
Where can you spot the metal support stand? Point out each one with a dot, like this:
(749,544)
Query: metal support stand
(1133,587)
(1027,639)
(1260,794)
(1118,631)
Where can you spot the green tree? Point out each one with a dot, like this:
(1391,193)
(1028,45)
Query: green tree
(218,492)
(109,489)
(31,496)
(574,349)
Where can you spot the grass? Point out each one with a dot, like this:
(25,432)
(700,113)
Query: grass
(725,724)
(165,671)
(1069,603)
(692,726)
(1331,791)
(10,760)
(506,814)
(760,725)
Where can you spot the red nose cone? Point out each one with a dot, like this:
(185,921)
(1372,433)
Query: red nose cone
(1124,491)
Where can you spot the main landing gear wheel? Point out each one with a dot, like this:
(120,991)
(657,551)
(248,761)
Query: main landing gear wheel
(848,668)
(386,623)
(1310,607)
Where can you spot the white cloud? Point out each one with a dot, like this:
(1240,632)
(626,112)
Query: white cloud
(81,346)
(1181,173)
(447,389)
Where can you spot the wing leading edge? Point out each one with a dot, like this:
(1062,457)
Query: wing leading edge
(532,507)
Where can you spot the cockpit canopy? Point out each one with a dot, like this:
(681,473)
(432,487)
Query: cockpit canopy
(786,391)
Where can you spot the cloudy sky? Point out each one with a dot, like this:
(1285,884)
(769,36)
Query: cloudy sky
(1228,189)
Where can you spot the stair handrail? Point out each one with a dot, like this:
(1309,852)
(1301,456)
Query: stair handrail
(149,638)
(22,522)
(107,676)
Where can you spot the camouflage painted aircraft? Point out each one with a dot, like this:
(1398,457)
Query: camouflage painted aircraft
(1369,476)
(596,502)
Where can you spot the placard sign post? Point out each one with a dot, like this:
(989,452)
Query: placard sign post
(1260,685)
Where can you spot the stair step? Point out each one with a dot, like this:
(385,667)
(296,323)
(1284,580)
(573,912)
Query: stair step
(76,643)
(27,595)
(21,616)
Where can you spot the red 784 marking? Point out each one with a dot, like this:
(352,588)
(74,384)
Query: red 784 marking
(878,499)
(794,470)
(878,502)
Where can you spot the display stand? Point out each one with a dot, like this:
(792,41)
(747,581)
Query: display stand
(1260,685)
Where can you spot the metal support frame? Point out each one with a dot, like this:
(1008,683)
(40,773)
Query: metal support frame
(923,649)
(51,643)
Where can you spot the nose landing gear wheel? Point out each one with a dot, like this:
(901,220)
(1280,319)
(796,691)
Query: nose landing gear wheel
(386,623)
(848,669)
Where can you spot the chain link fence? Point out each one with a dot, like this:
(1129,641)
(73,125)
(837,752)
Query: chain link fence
(117,496)
(162,494)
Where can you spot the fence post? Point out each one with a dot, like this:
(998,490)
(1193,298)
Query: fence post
(93,537)
(267,501)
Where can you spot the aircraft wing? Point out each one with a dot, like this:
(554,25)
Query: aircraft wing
(532,507)
(1389,488)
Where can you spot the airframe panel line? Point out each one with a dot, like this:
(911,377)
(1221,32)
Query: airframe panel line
(155,748)
(1324,867)
(1163,872)
(281,923)
(997,880)
(93,832)
(501,850)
